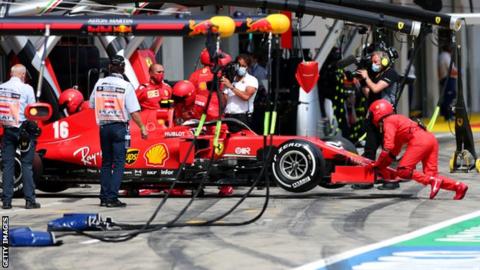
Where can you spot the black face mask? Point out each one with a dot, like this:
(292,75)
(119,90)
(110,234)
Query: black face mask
(178,100)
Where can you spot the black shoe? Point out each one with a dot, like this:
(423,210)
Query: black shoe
(362,186)
(389,186)
(103,203)
(7,205)
(116,203)
(32,205)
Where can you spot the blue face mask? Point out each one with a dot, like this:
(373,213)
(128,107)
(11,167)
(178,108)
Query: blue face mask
(375,67)
(241,71)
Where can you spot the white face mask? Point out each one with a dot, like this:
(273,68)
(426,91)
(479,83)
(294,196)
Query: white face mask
(241,71)
(375,67)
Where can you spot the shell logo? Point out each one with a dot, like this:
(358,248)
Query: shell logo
(156,155)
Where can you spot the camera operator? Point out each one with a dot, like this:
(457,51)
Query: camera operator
(380,82)
(240,94)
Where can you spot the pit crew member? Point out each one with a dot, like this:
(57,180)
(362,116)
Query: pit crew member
(398,130)
(15,95)
(114,101)
(381,83)
(202,76)
(71,99)
(189,105)
(152,93)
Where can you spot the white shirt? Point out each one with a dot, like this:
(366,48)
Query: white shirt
(15,95)
(443,64)
(114,101)
(234,103)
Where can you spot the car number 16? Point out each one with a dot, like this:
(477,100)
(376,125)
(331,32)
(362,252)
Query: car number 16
(60,130)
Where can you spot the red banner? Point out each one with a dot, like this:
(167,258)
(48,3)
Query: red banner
(286,38)
(307,75)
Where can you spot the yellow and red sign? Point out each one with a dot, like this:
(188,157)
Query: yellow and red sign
(132,156)
(156,155)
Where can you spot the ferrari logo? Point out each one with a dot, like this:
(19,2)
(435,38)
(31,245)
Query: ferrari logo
(132,156)
(400,25)
(156,155)
(149,61)
(202,86)
(219,149)
(459,122)
(438,20)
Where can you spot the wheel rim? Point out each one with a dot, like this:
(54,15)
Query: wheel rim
(294,165)
(18,170)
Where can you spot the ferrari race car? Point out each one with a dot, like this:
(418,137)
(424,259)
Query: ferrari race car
(68,152)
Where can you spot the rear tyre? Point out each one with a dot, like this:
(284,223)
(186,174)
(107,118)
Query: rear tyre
(40,182)
(298,166)
(342,143)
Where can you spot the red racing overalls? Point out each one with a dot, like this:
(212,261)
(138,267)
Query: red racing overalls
(422,146)
(149,95)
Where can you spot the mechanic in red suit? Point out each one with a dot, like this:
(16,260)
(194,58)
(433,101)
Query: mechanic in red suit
(202,76)
(71,99)
(189,105)
(422,146)
(149,96)
(152,93)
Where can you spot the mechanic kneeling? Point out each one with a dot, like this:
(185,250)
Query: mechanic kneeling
(399,130)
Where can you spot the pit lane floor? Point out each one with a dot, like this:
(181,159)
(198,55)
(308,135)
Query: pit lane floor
(295,230)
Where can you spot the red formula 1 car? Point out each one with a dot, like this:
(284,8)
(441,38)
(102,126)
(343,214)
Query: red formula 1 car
(68,152)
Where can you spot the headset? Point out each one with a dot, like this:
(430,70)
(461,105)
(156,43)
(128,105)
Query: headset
(389,54)
(385,60)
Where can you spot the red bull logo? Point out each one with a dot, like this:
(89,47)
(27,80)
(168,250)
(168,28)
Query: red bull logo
(201,28)
(99,29)
(274,23)
(222,25)
(261,25)
(122,29)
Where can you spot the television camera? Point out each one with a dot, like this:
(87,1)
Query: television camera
(365,61)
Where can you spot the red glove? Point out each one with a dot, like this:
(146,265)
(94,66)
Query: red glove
(370,166)
(383,160)
(384,173)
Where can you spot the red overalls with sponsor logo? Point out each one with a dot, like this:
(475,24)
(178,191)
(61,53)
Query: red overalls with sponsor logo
(199,78)
(150,95)
(422,146)
(196,110)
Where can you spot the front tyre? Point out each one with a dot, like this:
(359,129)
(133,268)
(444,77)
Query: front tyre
(298,166)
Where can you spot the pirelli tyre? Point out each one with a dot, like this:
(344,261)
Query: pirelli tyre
(298,166)
(40,182)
